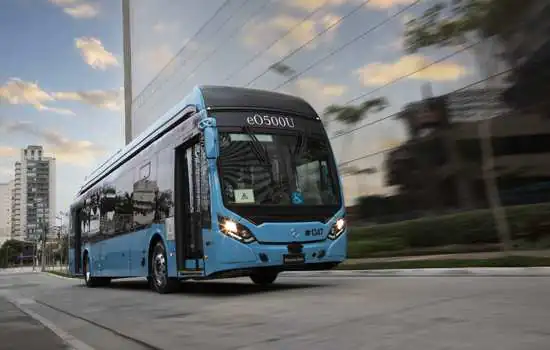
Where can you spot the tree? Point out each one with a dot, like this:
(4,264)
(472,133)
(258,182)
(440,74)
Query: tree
(459,22)
(352,115)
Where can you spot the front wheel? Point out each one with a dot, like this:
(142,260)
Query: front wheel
(264,278)
(159,279)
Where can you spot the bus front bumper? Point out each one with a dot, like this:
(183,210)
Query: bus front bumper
(238,258)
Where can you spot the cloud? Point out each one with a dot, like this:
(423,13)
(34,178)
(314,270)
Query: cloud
(388,143)
(311,5)
(94,53)
(107,99)
(154,59)
(78,8)
(302,31)
(75,152)
(386,4)
(19,92)
(315,91)
(412,67)
(8,151)
(320,88)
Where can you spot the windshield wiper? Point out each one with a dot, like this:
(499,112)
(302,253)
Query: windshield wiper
(301,144)
(259,150)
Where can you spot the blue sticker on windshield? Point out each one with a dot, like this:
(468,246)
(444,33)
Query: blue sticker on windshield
(297,198)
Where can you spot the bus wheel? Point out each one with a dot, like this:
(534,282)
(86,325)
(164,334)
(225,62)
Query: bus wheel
(159,271)
(264,277)
(93,281)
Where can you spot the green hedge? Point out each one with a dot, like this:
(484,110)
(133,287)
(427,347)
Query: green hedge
(528,222)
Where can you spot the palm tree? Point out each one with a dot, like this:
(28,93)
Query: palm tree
(350,116)
(353,115)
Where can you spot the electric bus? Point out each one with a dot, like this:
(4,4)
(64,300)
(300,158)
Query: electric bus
(231,182)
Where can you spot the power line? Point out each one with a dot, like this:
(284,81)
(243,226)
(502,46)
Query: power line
(172,60)
(301,47)
(402,77)
(395,114)
(333,52)
(259,53)
(464,48)
(238,30)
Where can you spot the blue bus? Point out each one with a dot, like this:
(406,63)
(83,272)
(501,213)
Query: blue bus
(231,182)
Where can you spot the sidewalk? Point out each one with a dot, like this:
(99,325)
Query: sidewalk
(484,255)
(18,331)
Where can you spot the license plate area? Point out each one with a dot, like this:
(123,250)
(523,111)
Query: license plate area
(293,259)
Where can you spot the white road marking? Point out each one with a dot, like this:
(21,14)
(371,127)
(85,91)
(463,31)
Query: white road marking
(73,342)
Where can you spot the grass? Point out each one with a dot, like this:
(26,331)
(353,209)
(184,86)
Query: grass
(510,261)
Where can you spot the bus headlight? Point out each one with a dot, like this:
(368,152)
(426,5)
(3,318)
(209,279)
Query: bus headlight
(337,229)
(235,230)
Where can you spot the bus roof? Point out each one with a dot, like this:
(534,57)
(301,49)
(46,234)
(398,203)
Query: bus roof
(200,98)
(225,97)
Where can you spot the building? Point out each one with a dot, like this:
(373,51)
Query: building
(528,50)
(442,169)
(33,200)
(5,211)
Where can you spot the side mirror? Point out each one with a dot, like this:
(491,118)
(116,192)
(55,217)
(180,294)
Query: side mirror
(207,125)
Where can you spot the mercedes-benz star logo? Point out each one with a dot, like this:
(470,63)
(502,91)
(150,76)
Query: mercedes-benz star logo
(294,234)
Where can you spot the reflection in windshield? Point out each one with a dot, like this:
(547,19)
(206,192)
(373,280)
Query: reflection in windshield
(297,172)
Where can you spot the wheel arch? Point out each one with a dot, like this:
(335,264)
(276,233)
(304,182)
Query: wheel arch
(155,238)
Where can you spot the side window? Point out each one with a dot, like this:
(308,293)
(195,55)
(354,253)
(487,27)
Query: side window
(93,212)
(107,209)
(124,206)
(145,190)
(164,194)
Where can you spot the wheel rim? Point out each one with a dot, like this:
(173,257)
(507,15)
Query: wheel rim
(159,269)
(86,271)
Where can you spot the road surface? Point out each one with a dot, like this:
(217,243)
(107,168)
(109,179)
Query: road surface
(297,313)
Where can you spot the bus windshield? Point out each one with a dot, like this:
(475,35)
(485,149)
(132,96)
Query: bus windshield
(276,169)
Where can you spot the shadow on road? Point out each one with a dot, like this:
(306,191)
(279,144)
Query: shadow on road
(213,288)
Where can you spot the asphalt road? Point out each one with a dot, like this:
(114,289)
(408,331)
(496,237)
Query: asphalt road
(297,313)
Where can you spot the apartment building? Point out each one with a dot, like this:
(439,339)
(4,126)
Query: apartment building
(5,211)
(33,194)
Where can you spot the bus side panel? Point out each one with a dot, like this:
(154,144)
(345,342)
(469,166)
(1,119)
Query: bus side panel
(114,255)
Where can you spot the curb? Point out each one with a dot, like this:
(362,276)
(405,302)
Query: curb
(431,272)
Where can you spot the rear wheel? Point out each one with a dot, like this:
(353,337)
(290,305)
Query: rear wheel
(92,281)
(159,279)
(264,277)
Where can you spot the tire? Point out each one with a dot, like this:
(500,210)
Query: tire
(89,280)
(159,280)
(264,278)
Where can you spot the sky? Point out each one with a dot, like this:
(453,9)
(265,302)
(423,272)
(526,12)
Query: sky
(61,75)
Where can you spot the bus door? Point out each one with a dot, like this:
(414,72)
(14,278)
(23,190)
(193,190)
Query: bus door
(188,216)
